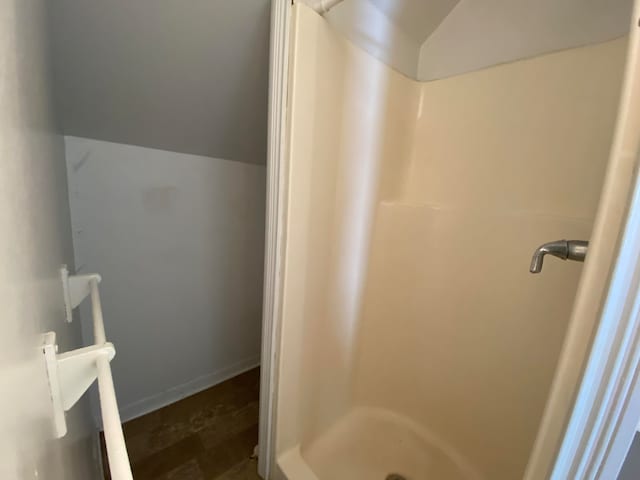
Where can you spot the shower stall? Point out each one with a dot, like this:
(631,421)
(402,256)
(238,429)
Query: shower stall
(413,342)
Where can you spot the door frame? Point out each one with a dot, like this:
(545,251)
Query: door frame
(594,404)
(276,206)
(607,408)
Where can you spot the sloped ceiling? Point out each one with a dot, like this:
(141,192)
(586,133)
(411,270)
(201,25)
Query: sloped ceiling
(459,36)
(372,30)
(417,18)
(185,76)
(480,33)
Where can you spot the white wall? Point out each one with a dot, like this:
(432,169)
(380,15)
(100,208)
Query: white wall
(35,241)
(178,240)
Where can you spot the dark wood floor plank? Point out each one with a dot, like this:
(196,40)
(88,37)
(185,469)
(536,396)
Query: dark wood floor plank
(164,461)
(205,436)
(245,470)
(230,425)
(187,471)
(233,393)
(220,458)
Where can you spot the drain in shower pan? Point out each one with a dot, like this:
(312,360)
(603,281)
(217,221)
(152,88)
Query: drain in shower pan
(396,476)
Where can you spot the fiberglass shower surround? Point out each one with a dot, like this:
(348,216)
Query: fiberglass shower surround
(399,324)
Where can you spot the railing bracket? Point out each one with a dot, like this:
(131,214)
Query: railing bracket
(70,375)
(75,288)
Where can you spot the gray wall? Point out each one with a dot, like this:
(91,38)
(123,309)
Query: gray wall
(184,76)
(178,240)
(164,104)
(35,241)
(631,467)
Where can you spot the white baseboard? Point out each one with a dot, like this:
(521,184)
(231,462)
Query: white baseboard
(162,399)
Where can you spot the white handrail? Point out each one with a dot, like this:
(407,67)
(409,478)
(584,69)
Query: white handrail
(96,308)
(71,373)
(119,465)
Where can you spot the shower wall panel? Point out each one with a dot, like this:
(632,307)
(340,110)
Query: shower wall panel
(352,118)
(456,333)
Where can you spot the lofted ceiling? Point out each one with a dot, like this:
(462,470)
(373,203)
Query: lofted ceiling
(430,39)
(417,18)
(188,77)
(482,33)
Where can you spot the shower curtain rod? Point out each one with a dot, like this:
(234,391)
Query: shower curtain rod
(322,6)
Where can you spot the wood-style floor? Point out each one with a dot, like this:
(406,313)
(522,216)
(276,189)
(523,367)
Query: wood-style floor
(208,436)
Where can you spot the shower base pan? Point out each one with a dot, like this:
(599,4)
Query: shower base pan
(375,444)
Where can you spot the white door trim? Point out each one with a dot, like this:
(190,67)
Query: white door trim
(607,409)
(581,393)
(275,224)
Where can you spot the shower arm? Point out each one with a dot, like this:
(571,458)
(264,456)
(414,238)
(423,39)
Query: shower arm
(564,249)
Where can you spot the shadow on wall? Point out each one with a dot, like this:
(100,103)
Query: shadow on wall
(163,74)
(631,468)
(36,240)
(186,275)
(351,140)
